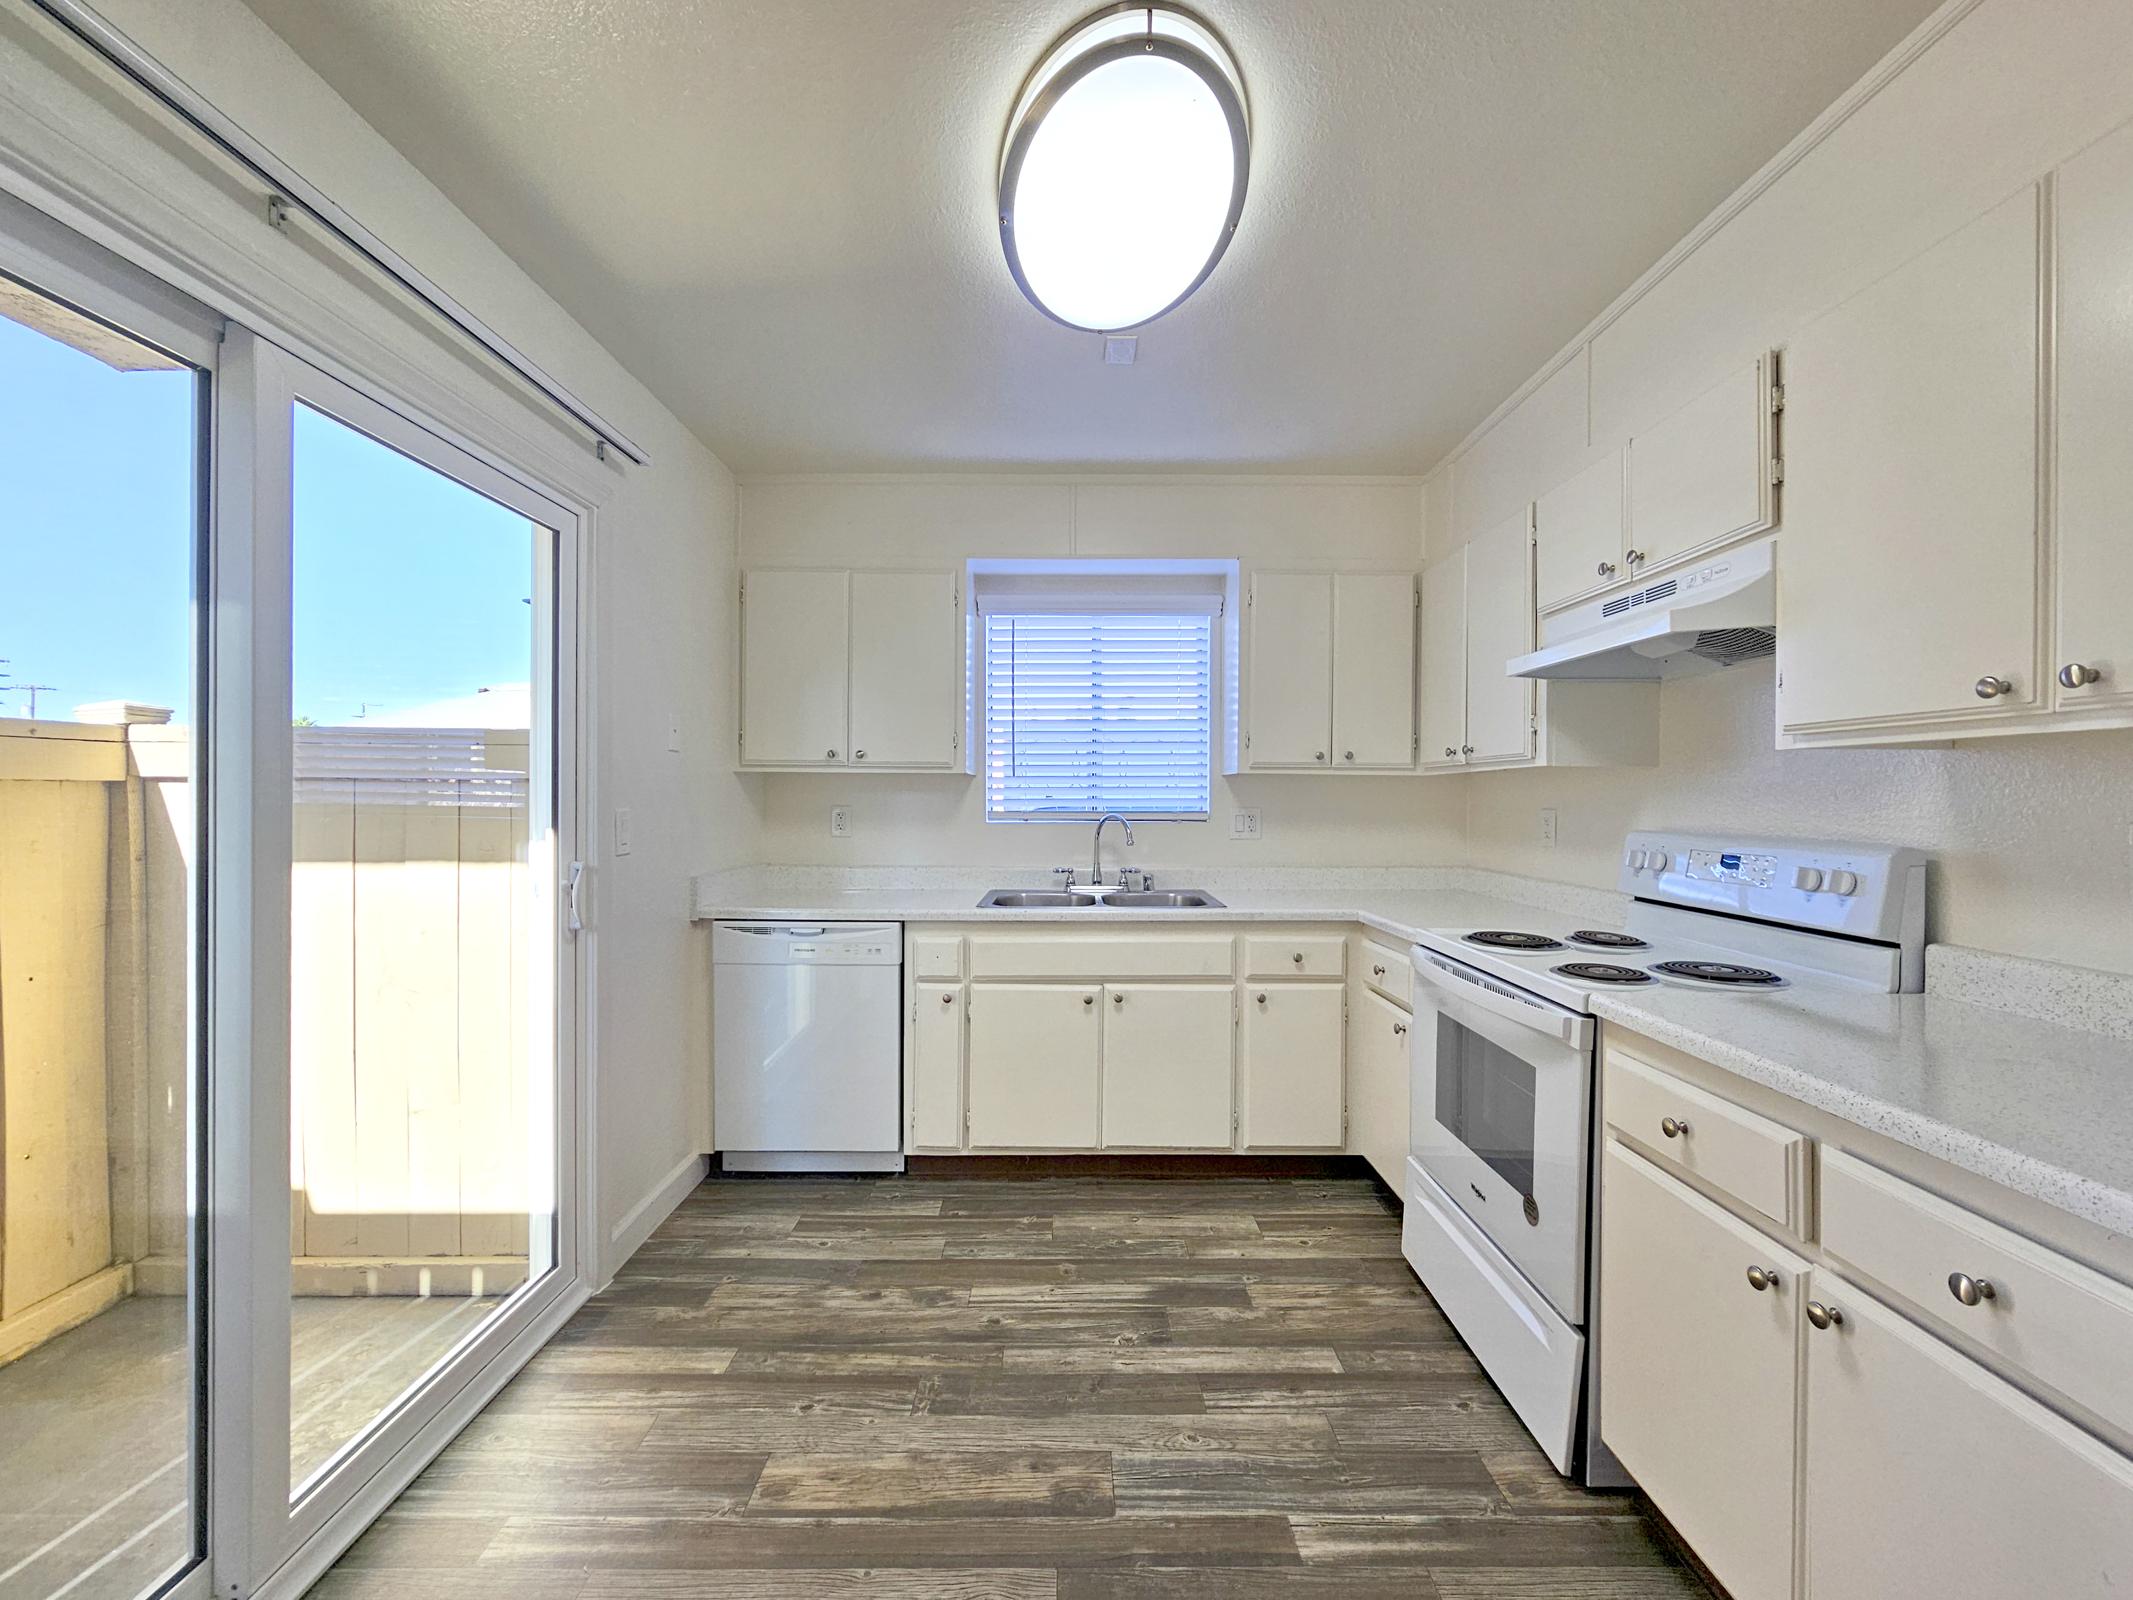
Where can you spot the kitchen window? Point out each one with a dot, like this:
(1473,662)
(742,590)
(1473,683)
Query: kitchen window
(1096,709)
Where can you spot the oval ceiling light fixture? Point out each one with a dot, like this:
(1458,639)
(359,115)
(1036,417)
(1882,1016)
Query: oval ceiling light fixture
(1124,170)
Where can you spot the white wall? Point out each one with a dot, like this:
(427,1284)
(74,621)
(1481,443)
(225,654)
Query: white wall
(663,583)
(943,521)
(2033,831)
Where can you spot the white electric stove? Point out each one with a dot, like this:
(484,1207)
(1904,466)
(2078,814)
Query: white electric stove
(1500,1203)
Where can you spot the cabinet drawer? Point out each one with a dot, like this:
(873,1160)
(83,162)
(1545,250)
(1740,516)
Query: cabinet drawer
(1316,955)
(1390,972)
(1762,1164)
(936,956)
(2054,1319)
(1110,955)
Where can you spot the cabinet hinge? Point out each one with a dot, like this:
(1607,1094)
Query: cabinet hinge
(1777,470)
(1777,398)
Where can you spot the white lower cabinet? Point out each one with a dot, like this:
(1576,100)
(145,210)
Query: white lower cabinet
(1929,1477)
(1034,1066)
(1168,1065)
(1698,1371)
(1378,1086)
(1291,1050)
(937,1067)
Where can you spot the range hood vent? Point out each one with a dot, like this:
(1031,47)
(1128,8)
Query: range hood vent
(1716,615)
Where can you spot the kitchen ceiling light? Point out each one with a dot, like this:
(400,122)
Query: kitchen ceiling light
(1124,170)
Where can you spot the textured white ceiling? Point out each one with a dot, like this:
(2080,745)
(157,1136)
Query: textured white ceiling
(779,213)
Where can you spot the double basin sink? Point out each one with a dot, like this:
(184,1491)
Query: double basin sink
(1134,900)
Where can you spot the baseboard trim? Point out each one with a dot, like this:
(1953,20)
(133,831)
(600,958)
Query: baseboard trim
(1217,1165)
(64,1309)
(647,1214)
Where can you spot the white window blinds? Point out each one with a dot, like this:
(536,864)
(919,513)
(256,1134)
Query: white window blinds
(1100,712)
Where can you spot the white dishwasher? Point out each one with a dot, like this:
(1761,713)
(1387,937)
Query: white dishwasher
(807,1071)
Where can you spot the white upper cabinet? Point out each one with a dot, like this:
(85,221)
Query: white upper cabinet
(907,669)
(1331,672)
(851,669)
(1290,716)
(1441,718)
(1908,568)
(795,638)
(2092,659)
(1577,534)
(1374,670)
(1499,625)
(1704,476)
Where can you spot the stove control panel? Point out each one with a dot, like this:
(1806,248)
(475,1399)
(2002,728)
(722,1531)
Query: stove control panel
(1865,891)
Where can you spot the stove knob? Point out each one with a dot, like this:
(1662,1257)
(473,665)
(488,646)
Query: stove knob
(1843,883)
(1657,861)
(1808,878)
(1636,861)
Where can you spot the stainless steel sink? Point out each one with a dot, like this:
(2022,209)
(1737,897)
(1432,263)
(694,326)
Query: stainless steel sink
(1062,899)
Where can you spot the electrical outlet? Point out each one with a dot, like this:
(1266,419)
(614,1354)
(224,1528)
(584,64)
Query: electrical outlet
(840,822)
(1547,837)
(1244,824)
(674,733)
(623,843)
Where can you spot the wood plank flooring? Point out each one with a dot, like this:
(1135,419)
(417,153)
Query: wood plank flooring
(1065,1389)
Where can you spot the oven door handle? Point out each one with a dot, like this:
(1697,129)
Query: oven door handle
(1460,989)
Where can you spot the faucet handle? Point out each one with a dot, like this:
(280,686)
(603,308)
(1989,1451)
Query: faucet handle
(1065,875)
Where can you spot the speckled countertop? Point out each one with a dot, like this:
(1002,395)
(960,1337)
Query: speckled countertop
(1998,1090)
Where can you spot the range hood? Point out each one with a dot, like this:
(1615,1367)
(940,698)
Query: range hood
(1715,615)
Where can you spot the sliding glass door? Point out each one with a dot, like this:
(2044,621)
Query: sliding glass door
(104,405)
(410,643)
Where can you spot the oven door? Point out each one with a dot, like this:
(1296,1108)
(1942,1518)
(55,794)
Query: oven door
(1502,1102)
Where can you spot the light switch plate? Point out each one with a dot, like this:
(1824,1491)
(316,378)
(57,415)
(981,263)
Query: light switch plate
(623,842)
(1547,828)
(840,822)
(1244,824)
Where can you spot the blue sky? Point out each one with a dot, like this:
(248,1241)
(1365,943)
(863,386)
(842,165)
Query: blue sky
(410,588)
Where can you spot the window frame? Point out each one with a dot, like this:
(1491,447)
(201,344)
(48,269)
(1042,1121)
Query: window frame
(1100,599)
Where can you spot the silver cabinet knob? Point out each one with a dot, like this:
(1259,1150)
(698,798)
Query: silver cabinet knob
(1398,1028)
(1117,999)
(859,755)
(1673,1127)
(1824,1317)
(830,755)
(1448,750)
(1088,999)
(1262,998)
(1990,688)
(1466,749)
(1971,1290)
(1377,971)
(1606,569)
(1298,958)
(1633,557)
(1761,1278)
(1347,755)
(2074,675)
(947,999)
(1320,756)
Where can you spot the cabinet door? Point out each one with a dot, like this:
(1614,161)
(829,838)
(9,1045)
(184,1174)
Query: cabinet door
(907,669)
(1577,534)
(1703,474)
(937,1067)
(1928,1477)
(1374,670)
(1291,711)
(2095,355)
(1168,1064)
(1441,698)
(1377,1053)
(1292,1049)
(1908,570)
(795,635)
(1698,1386)
(1032,1075)
(1499,625)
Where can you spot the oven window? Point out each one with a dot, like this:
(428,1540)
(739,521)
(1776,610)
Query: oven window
(1485,1101)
